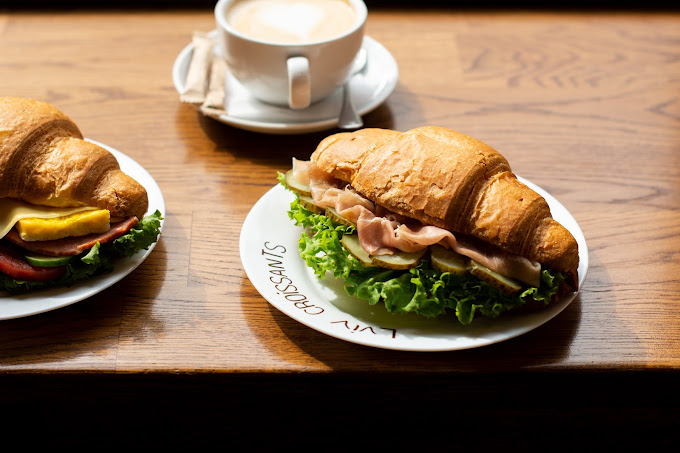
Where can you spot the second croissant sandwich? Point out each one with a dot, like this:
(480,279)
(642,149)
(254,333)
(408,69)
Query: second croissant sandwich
(66,208)
(429,221)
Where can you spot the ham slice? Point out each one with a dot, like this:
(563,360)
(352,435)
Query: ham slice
(301,170)
(72,245)
(381,232)
(379,236)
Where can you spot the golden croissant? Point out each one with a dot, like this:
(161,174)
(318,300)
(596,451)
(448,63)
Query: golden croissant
(44,160)
(447,179)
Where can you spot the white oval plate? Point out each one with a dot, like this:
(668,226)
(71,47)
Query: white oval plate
(17,306)
(269,252)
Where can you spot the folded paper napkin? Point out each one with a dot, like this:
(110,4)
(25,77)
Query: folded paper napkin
(202,59)
(211,87)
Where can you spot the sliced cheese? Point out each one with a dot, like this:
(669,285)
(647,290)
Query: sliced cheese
(11,211)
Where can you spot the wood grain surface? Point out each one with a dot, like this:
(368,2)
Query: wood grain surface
(586,105)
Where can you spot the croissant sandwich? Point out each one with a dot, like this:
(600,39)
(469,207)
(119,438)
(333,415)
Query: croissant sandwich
(429,221)
(66,208)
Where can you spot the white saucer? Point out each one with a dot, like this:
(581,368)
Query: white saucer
(369,89)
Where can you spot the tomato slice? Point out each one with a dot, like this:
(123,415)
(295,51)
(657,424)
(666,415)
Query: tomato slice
(13,264)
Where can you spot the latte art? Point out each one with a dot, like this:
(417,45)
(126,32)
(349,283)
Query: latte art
(291,21)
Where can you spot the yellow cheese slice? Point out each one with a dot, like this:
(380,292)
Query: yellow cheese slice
(11,211)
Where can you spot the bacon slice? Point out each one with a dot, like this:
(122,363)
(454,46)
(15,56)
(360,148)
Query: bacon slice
(72,245)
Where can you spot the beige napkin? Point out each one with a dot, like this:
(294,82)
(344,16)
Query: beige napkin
(214,99)
(205,77)
(199,69)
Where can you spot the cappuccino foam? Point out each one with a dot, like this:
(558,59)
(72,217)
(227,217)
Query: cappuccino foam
(291,21)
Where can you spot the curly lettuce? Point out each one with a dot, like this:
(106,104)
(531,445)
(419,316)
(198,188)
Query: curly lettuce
(422,290)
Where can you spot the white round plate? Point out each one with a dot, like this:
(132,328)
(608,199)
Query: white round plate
(17,306)
(269,252)
(369,89)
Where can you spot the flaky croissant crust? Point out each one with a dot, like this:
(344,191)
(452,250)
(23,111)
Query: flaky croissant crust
(444,178)
(44,160)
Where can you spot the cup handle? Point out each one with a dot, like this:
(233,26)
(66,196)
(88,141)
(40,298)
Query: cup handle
(299,83)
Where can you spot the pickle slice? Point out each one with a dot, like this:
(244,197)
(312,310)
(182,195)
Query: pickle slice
(337,218)
(308,204)
(295,185)
(399,260)
(353,246)
(447,260)
(498,281)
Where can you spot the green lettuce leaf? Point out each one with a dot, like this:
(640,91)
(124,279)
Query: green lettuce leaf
(98,260)
(140,237)
(422,290)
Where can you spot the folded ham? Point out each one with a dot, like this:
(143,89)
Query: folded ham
(381,231)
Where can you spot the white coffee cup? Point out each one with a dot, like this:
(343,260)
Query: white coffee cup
(278,70)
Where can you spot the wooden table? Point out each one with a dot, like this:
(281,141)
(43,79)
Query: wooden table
(586,105)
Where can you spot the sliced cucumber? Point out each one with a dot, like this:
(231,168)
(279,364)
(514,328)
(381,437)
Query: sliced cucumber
(295,185)
(47,261)
(447,260)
